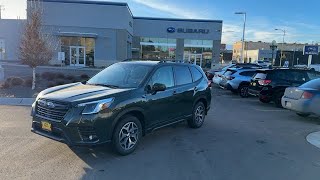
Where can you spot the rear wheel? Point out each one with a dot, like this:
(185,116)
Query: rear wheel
(243,91)
(127,135)
(198,116)
(277,99)
(303,114)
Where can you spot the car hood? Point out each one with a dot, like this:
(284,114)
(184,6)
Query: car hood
(78,92)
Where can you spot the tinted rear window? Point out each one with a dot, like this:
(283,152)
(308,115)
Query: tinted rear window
(260,75)
(314,84)
(313,75)
(183,75)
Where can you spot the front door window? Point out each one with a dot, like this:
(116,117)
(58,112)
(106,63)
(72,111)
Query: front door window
(77,56)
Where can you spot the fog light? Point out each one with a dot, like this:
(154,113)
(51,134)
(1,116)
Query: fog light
(92,137)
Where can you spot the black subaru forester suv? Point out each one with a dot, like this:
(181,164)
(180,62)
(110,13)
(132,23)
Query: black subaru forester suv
(122,103)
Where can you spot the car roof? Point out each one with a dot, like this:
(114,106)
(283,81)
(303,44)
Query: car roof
(155,63)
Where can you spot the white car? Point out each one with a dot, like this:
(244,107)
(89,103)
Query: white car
(263,63)
(315,67)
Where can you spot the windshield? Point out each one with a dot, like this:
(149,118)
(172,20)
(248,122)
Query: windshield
(314,84)
(121,75)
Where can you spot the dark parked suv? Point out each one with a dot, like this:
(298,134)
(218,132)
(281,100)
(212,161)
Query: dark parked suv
(270,85)
(122,103)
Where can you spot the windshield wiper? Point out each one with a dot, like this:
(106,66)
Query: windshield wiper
(106,85)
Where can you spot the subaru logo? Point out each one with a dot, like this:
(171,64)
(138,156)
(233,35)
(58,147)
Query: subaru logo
(50,105)
(171,30)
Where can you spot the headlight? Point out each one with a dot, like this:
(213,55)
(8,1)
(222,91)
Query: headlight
(96,106)
(37,98)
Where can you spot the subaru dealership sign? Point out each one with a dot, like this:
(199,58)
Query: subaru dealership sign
(187,30)
(311,50)
(171,30)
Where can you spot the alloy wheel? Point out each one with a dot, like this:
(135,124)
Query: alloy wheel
(199,115)
(244,91)
(128,136)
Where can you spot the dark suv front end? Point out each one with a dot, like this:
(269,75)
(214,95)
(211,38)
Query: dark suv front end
(65,122)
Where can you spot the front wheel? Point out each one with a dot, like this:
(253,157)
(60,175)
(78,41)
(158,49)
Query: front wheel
(198,116)
(243,91)
(127,135)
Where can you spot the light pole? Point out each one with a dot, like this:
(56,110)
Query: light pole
(244,30)
(284,34)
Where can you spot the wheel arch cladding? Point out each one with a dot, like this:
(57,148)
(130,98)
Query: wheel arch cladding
(204,101)
(131,112)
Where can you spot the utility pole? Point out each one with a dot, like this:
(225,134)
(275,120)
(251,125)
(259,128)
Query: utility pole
(243,32)
(1,9)
(284,34)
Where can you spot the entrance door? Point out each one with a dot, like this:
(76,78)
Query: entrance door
(195,59)
(77,56)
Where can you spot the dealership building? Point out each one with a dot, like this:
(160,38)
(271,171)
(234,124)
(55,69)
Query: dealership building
(99,33)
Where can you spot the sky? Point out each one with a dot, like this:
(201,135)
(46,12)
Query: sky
(299,18)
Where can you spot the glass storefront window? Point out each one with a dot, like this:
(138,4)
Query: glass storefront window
(157,48)
(87,43)
(201,49)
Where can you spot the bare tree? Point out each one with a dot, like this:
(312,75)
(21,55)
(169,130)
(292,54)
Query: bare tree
(36,48)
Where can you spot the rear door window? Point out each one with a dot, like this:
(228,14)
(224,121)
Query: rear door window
(248,73)
(183,75)
(197,75)
(297,76)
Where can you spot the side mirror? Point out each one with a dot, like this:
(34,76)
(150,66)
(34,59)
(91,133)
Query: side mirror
(158,87)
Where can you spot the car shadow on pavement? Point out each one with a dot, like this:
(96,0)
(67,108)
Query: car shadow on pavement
(102,161)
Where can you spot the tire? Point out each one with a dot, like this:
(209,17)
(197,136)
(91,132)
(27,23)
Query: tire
(265,100)
(243,91)
(198,116)
(126,132)
(303,114)
(277,99)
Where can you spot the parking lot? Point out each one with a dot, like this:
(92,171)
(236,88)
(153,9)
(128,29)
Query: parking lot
(241,139)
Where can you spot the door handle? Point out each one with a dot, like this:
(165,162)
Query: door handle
(174,93)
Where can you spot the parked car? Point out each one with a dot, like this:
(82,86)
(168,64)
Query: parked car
(263,63)
(270,84)
(122,103)
(219,75)
(238,80)
(304,100)
(315,67)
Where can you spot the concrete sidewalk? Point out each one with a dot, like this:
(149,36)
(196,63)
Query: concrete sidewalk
(17,101)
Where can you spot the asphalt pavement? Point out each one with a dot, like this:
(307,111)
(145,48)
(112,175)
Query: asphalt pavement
(241,139)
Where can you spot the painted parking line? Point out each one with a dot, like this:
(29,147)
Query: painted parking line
(314,139)
(270,110)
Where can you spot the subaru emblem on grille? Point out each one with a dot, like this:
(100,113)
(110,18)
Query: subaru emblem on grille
(50,105)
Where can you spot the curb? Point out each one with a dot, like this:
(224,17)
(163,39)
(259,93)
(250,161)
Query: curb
(314,139)
(17,101)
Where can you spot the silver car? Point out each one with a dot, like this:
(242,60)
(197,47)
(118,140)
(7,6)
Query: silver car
(237,80)
(304,100)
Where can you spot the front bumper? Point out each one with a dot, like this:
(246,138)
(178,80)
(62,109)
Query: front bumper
(86,131)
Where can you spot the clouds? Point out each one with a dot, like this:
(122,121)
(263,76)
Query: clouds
(173,9)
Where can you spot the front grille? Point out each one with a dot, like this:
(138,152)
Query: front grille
(55,111)
(87,133)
